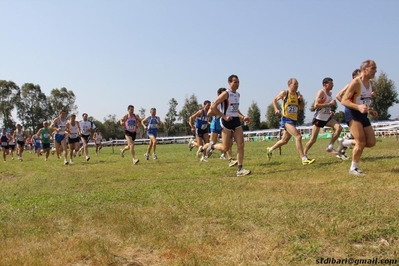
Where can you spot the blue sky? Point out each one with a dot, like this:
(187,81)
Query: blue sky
(115,53)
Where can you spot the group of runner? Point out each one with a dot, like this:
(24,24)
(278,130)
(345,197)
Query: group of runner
(225,119)
(65,134)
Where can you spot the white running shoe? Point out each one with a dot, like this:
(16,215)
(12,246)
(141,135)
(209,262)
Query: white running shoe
(135,161)
(203,159)
(243,172)
(191,144)
(340,145)
(87,158)
(332,150)
(146,156)
(70,161)
(154,156)
(222,157)
(232,163)
(65,162)
(357,172)
(121,151)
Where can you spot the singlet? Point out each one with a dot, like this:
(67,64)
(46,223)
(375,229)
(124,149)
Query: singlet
(152,123)
(131,123)
(98,137)
(45,135)
(85,127)
(73,130)
(364,97)
(290,106)
(323,114)
(4,141)
(202,122)
(231,106)
(62,125)
(20,135)
(11,140)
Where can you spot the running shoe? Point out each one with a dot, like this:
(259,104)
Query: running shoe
(308,161)
(243,172)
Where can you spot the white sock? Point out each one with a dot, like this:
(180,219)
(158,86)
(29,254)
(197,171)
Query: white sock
(270,150)
(354,165)
(304,158)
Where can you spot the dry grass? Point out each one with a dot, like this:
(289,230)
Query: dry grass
(177,211)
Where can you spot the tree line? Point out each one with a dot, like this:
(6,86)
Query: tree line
(33,107)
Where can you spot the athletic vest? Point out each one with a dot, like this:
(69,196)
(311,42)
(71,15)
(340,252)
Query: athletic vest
(202,122)
(232,105)
(73,130)
(291,106)
(364,97)
(131,123)
(45,135)
(323,114)
(152,123)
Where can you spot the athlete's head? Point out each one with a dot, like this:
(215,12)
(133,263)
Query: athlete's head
(63,114)
(356,73)
(207,105)
(45,124)
(369,68)
(234,82)
(153,111)
(328,83)
(293,84)
(73,117)
(220,90)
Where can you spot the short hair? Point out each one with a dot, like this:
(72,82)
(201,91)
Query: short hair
(73,115)
(207,102)
(290,81)
(62,111)
(355,73)
(366,63)
(326,80)
(220,90)
(84,114)
(230,78)
(130,106)
(153,109)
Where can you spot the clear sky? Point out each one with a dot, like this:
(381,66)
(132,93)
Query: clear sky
(115,53)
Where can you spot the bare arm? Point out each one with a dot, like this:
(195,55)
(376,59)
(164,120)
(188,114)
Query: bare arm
(192,118)
(279,96)
(213,110)
(353,87)
(144,122)
(341,93)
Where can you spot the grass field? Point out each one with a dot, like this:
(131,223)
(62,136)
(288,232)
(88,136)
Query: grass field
(178,211)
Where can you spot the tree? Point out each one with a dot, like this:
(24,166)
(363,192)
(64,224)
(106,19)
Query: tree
(272,120)
(254,114)
(189,108)
(32,109)
(112,127)
(9,95)
(170,119)
(339,117)
(387,96)
(62,99)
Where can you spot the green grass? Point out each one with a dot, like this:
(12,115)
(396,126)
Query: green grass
(178,211)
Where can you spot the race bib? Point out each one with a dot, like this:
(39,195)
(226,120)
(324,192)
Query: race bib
(292,109)
(73,135)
